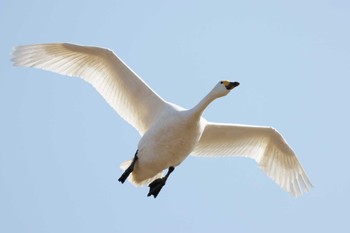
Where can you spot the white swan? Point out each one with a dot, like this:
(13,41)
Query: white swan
(169,132)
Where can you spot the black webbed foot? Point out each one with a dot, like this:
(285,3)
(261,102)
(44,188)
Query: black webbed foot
(127,172)
(157,185)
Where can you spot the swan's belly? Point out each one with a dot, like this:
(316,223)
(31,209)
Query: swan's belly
(165,146)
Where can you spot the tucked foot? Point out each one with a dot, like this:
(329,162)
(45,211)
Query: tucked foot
(157,185)
(125,175)
(127,172)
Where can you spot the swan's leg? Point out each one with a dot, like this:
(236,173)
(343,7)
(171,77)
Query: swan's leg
(157,185)
(129,169)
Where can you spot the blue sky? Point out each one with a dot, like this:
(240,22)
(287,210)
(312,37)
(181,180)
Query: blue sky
(61,144)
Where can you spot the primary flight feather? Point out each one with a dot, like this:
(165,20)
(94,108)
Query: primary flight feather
(169,133)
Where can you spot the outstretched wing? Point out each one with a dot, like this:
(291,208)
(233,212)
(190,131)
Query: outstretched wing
(130,97)
(263,144)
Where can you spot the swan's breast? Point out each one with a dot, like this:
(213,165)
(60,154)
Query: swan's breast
(170,140)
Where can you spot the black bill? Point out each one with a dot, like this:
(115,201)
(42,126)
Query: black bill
(232,85)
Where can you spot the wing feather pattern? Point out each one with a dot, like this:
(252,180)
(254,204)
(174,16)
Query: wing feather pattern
(128,95)
(263,144)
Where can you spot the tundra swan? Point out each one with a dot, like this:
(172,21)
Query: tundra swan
(169,133)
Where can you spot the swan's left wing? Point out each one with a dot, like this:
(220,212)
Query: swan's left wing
(263,144)
(127,94)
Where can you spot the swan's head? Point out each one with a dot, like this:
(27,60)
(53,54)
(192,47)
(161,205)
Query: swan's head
(224,87)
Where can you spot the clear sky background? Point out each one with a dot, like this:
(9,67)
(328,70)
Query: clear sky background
(61,144)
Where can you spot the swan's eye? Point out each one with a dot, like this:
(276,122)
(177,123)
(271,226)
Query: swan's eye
(221,82)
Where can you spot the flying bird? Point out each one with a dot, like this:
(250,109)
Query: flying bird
(169,133)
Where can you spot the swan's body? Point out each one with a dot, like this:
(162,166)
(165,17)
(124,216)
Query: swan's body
(169,132)
(166,145)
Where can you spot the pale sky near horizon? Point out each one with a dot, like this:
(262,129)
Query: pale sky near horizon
(61,144)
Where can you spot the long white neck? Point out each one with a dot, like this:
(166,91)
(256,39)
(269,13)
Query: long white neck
(203,104)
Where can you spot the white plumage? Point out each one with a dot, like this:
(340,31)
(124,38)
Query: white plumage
(169,133)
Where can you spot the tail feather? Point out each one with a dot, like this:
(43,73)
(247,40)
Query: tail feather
(125,165)
(134,180)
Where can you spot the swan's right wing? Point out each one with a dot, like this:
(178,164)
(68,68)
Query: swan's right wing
(130,97)
(263,144)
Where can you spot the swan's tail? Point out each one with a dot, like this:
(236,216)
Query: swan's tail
(135,179)
(124,165)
